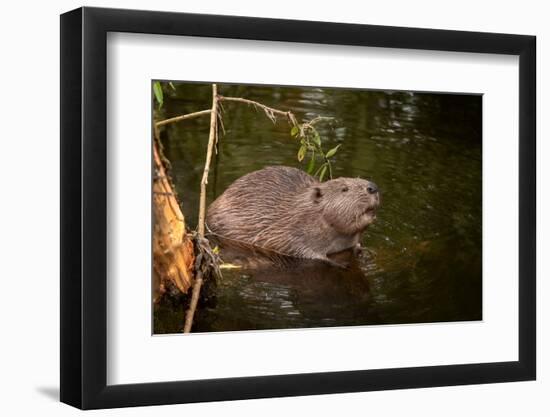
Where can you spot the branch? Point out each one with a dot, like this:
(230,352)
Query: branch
(212,138)
(319,119)
(193,304)
(270,112)
(211,141)
(183,117)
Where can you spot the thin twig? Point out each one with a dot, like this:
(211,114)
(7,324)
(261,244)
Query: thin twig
(212,138)
(211,141)
(193,304)
(183,117)
(319,119)
(270,112)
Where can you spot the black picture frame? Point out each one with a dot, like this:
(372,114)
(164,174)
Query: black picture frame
(84,207)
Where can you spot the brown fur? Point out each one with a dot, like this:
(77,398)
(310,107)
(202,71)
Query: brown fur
(285,210)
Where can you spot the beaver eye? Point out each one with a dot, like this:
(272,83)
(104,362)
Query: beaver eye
(345,189)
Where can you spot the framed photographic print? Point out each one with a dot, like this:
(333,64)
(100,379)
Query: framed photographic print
(257,208)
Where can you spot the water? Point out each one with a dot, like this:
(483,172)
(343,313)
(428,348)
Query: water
(423,254)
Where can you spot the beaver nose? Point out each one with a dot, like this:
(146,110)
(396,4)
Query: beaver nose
(372,188)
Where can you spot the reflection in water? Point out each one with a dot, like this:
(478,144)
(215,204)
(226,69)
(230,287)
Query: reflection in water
(423,257)
(268,295)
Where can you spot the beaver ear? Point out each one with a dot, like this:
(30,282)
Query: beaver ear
(317,194)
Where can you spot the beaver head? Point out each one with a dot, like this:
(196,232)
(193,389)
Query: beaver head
(347,204)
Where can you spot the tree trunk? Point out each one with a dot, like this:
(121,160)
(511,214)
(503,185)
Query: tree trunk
(173,252)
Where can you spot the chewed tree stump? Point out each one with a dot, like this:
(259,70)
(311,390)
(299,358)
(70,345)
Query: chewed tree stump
(173,252)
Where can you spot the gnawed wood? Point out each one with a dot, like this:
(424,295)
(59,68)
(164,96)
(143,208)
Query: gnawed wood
(173,252)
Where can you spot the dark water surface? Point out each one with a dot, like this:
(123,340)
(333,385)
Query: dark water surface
(423,254)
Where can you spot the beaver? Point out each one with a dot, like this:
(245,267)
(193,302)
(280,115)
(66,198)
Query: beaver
(285,210)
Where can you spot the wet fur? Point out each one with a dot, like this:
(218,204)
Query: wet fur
(287,211)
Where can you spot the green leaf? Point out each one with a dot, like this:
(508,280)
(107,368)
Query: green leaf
(319,169)
(157,89)
(302,153)
(332,152)
(294,131)
(322,173)
(311,164)
(171,84)
(316,138)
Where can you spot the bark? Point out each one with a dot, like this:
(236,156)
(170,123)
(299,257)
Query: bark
(173,252)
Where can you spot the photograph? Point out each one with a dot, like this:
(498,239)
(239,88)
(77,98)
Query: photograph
(268,206)
(291,207)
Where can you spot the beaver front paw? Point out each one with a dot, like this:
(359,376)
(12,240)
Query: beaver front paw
(357,249)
